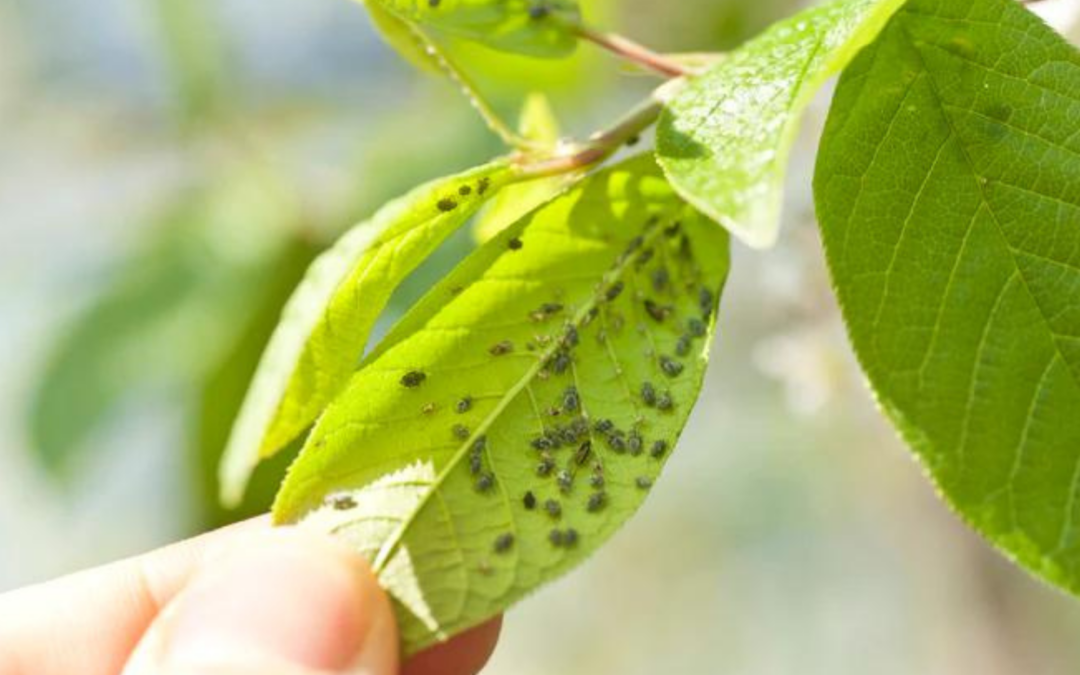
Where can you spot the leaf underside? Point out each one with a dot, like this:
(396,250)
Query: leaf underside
(326,323)
(948,189)
(531,27)
(724,139)
(503,430)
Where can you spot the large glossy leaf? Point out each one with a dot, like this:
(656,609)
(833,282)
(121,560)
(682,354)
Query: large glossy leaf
(724,139)
(325,325)
(532,27)
(948,189)
(519,414)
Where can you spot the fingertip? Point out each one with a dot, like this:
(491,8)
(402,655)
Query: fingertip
(284,596)
(463,654)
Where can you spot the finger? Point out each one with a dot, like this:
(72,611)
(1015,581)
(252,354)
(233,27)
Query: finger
(463,655)
(285,602)
(89,622)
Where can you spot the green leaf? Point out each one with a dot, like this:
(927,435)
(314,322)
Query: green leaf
(325,325)
(537,124)
(405,38)
(427,461)
(948,189)
(532,27)
(179,294)
(724,139)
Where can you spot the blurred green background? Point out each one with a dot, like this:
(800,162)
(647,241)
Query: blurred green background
(168,168)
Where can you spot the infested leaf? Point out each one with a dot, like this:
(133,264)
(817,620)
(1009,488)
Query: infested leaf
(520,412)
(948,189)
(532,27)
(325,325)
(724,139)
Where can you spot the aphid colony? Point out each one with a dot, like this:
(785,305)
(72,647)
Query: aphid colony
(578,434)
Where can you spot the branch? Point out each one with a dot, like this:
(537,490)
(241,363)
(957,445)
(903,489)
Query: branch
(631,51)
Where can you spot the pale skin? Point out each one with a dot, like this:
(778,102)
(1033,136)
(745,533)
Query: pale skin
(243,600)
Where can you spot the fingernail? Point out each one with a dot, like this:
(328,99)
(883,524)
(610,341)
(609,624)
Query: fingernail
(289,599)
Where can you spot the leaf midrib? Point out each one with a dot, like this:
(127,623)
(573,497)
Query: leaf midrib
(389,549)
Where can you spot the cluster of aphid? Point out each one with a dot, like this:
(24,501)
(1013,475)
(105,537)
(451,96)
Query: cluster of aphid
(577,432)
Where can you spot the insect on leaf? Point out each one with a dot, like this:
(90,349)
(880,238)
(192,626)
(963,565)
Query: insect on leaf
(724,139)
(326,323)
(519,414)
(532,27)
(948,189)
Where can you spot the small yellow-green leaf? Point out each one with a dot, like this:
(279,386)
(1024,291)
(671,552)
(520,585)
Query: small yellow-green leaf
(724,138)
(325,325)
(532,27)
(537,124)
(520,413)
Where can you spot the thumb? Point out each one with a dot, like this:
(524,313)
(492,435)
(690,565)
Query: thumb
(279,603)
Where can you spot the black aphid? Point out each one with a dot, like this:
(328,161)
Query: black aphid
(461,432)
(633,140)
(644,258)
(570,537)
(485,482)
(696,327)
(545,467)
(529,500)
(570,338)
(541,443)
(670,366)
(514,244)
(413,378)
(705,301)
(556,537)
(464,190)
(476,463)
(565,479)
(634,443)
(504,542)
(479,445)
(537,12)
(597,480)
(580,427)
(635,244)
(665,402)
(643,482)
(571,401)
(597,501)
(658,449)
(648,394)
(658,312)
(343,503)
(673,229)
(501,347)
(682,346)
(616,440)
(660,279)
(433,3)
(560,362)
(463,405)
(613,291)
(553,508)
(482,185)
(604,426)
(446,204)
(583,453)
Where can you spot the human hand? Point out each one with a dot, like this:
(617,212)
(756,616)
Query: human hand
(243,600)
